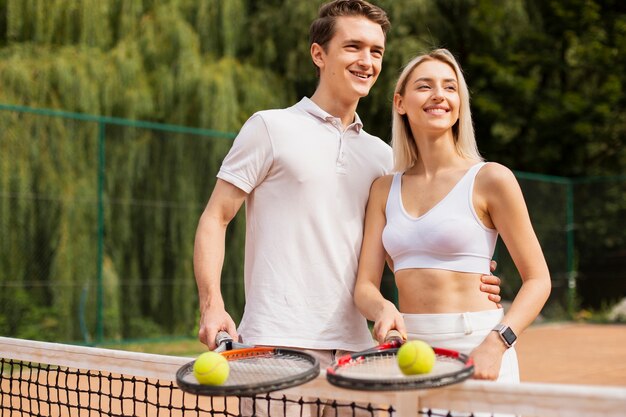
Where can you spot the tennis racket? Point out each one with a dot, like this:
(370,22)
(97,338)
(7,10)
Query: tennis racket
(377,369)
(253,370)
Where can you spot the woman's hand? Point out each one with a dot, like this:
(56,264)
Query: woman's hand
(487,357)
(389,318)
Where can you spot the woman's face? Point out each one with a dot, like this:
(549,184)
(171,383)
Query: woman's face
(431,98)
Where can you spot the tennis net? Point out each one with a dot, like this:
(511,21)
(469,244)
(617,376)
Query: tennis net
(50,379)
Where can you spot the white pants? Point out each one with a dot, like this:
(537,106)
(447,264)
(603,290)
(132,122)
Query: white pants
(462,332)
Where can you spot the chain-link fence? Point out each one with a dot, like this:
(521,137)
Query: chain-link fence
(98,216)
(580,224)
(97,223)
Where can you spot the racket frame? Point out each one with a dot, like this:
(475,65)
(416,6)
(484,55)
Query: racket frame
(397,384)
(243,352)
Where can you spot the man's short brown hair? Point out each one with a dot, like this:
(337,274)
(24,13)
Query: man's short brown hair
(323,28)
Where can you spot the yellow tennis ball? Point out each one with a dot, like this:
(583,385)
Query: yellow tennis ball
(416,357)
(211,368)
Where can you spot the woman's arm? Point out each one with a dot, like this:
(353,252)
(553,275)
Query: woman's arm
(500,197)
(367,295)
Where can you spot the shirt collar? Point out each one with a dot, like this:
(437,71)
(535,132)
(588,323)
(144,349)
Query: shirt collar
(307,105)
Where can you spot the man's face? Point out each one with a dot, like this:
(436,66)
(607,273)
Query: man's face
(353,57)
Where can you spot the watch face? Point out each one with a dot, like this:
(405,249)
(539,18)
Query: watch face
(509,336)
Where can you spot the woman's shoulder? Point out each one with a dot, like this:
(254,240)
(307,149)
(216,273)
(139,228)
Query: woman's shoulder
(494,175)
(495,170)
(381,186)
(383,183)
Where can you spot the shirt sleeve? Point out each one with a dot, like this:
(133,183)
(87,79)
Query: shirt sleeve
(251,156)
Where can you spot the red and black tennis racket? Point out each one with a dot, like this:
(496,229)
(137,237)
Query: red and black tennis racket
(377,369)
(253,370)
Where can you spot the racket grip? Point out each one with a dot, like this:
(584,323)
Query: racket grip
(223,338)
(393,336)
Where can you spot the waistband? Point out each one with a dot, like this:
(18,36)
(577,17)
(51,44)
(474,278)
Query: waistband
(453,322)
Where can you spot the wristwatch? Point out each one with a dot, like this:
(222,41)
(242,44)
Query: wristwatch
(506,334)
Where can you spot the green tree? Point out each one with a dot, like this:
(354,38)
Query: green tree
(547,81)
(139,60)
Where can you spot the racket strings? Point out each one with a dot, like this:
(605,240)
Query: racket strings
(385,367)
(266,367)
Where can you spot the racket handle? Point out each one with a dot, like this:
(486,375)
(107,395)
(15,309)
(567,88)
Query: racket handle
(393,336)
(223,340)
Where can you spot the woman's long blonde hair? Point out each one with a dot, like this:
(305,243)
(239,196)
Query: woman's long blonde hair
(402,141)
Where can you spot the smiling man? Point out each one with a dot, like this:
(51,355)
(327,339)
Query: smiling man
(304,173)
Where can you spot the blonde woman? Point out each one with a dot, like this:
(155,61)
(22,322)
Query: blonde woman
(437,220)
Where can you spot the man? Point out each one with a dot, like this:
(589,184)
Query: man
(305,174)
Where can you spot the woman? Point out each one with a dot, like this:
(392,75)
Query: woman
(437,221)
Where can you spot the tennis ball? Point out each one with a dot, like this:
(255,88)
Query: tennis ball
(211,368)
(416,357)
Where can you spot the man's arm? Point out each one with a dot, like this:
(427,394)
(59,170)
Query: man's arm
(208,259)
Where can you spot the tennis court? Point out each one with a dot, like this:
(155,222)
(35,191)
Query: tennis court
(574,353)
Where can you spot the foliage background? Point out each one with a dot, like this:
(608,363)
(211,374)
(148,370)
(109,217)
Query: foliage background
(547,80)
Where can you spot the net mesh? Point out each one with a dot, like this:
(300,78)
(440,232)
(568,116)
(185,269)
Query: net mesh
(44,379)
(44,390)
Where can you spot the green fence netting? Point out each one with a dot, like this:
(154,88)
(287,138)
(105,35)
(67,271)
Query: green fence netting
(98,216)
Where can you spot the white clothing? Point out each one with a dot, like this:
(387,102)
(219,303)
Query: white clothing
(462,332)
(308,183)
(449,236)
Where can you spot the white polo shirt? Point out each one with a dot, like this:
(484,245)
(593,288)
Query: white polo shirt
(308,182)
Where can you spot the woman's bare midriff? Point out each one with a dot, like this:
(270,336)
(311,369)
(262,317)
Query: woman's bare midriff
(433,291)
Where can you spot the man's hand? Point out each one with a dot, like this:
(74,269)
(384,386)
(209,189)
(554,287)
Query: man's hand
(212,321)
(490,284)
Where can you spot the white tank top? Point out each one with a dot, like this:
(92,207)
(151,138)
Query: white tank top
(449,236)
